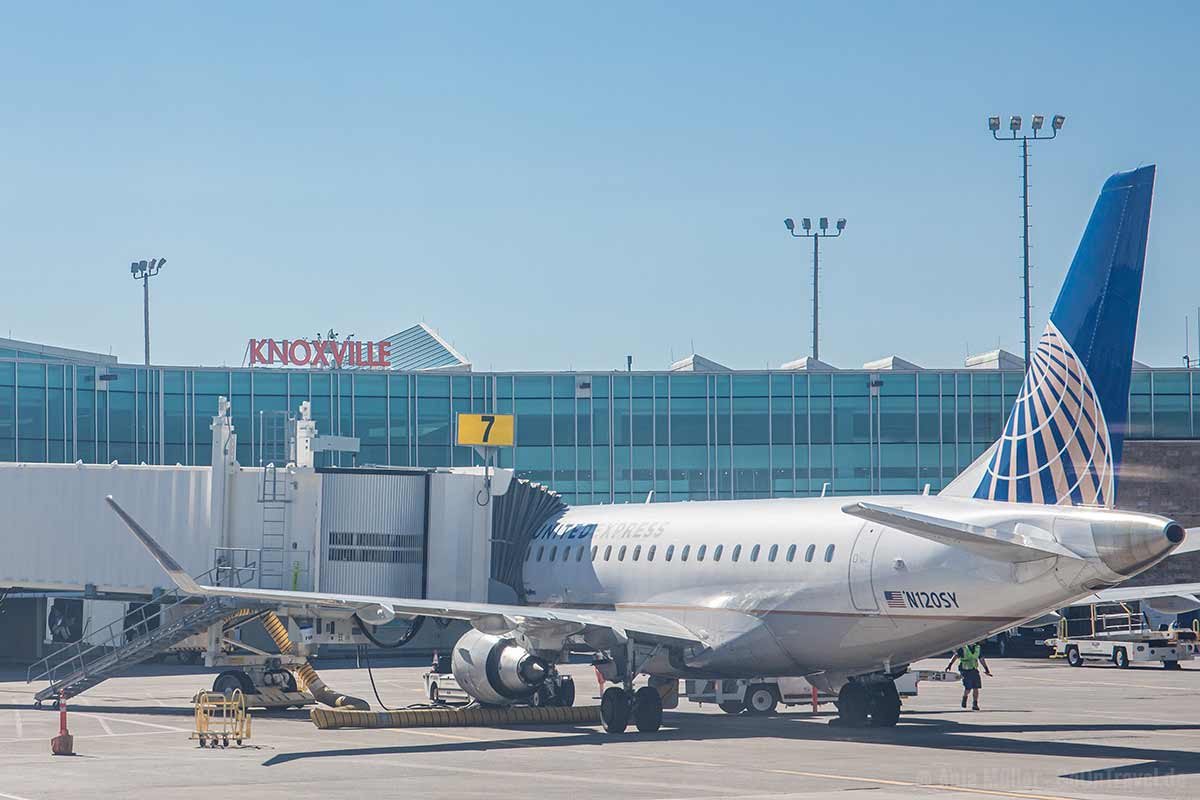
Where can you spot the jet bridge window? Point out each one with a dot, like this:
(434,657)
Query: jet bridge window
(670,551)
(650,552)
(621,553)
(637,552)
(737,552)
(810,552)
(774,551)
(828,554)
(683,554)
(791,553)
(754,553)
(717,552)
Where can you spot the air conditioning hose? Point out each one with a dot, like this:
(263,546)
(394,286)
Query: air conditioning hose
(307,678)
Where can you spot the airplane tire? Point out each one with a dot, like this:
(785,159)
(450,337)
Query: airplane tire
(647,709)
(732,707)
(1121,658)
(566,693)
(1171,665)
(761,699)
(853,705)
(615,707)
(885,708)
(1073,657)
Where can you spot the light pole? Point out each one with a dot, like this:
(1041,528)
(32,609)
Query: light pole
(822,232)
(144,271)
(1014,128)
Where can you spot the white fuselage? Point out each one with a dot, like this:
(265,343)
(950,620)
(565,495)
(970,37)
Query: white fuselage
(799,587)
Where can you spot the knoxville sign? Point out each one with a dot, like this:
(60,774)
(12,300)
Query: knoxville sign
(317,353)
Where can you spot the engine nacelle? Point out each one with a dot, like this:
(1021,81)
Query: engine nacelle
(496,670)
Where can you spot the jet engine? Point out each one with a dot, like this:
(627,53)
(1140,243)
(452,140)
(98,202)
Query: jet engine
(496,670)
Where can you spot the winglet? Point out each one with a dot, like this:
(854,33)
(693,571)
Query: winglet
(165,560)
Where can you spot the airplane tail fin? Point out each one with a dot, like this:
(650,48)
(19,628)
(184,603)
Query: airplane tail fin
(1062,443)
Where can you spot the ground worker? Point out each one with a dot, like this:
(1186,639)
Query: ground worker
(969,658)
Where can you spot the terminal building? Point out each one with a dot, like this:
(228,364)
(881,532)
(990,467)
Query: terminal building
(694,431)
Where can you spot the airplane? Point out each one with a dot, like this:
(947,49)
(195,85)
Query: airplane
(845,591)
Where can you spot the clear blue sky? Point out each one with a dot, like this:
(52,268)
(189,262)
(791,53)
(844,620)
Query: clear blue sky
(554,186)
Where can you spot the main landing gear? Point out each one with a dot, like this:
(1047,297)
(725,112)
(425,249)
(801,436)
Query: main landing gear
(861,704)
(618,706)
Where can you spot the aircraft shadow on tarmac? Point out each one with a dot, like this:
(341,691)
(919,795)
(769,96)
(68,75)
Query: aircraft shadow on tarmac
(924,730)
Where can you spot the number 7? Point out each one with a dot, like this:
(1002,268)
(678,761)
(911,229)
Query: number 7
(490,419)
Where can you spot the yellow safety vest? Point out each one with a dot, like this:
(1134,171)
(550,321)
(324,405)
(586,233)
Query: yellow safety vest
(968,656)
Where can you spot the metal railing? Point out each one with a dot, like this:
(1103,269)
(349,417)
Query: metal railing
(153,621)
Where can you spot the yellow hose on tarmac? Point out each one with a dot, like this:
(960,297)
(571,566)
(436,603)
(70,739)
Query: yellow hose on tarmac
(307,678)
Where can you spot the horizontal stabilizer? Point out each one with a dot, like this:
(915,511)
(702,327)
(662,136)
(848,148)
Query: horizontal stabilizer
(998,545)
(1170,598)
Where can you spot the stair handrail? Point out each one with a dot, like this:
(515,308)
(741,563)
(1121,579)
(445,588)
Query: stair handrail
(75,657)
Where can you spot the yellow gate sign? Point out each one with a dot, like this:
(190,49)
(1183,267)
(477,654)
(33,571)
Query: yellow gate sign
(485,430)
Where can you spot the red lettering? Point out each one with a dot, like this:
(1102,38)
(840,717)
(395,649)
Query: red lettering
(339,353)
(318,359)
(358,354)
(256,353)
(372,355)
(384,353)
(277,351)
(307,352)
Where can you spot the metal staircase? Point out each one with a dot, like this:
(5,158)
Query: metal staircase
(273,553)
(78,667)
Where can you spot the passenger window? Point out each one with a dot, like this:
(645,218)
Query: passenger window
(754,553)
(650,552)
(566,552)
(683,554)
(579,555)
(670,551)
(791,554)
(529,552)
(717,552)
(774,551)
(621,553)
(737,552)
(541,550)
(700,552)
(608,552)
(594,551)
(553,553)
(810,552)
(828,554)
(637,552)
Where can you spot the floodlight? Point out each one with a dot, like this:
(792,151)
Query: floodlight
(142,266)
(841,224)
(133,268)
(806,223)
(789,224)
(1057,122)
(1014,124)
(993,124)
(824,223)
(1038,119)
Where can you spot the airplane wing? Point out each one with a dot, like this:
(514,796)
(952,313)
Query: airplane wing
(1169,598)
(487,617)
(1013,547)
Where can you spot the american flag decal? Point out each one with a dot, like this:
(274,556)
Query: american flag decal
(895,599)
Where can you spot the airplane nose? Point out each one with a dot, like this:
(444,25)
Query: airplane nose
(1128,547)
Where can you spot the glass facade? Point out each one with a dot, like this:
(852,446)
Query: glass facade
(595,437)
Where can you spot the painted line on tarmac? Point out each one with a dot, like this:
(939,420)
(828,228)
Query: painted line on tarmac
(136,722)
(676,761)
(12,796)
(1089,684)
(939,787)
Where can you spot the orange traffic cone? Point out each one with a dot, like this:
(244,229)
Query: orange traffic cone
(64,743)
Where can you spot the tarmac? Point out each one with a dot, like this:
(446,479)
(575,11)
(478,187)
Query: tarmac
(1046,731)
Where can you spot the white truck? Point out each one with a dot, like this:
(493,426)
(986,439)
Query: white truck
(1116,633)
(764,695)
